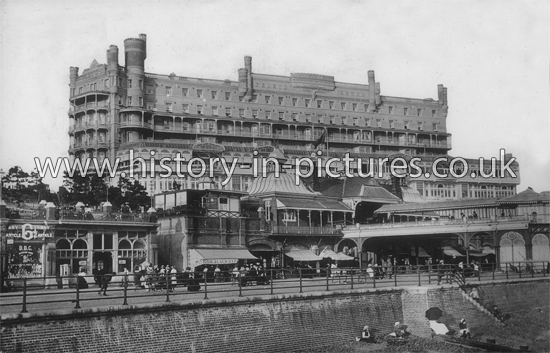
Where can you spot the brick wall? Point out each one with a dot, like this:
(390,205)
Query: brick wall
(516,295)
(282,324)
(268,324)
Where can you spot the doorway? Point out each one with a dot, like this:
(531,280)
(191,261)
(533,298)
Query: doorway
(102,262)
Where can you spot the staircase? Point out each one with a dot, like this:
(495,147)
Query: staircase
(461,281)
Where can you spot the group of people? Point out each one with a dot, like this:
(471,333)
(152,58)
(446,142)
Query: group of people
(400,331)
(155,277)
(460,269)
(249,273)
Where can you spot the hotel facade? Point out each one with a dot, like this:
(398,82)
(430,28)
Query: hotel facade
(117,108)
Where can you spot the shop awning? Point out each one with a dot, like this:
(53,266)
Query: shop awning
(310,204)
(335,256)
(303,255)
(219,256)
(451,252)
(477,254)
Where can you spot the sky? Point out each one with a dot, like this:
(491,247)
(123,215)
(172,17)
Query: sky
(492,56)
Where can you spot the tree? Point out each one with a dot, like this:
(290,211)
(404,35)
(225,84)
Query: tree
(133,193)
(89,189)
(19,186)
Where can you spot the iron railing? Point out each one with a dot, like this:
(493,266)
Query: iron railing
(24,294)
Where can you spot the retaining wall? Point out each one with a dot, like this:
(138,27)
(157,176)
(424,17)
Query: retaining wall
(281,323)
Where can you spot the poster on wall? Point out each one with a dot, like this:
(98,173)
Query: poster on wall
(24,260)
(24,250)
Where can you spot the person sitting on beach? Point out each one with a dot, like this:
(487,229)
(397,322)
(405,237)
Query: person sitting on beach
(365,336)
(464,330)
(400,330)
(474,294)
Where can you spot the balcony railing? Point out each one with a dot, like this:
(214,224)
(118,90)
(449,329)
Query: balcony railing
(88,216)
(136,124)
(446,222)
(303,229)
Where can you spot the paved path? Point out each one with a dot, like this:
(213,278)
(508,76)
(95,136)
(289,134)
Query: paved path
(53,299)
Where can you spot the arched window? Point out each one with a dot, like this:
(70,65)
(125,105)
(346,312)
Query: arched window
(80,244)
(63,244)
(512,248)
(139,244)
(541,250)
(124,244)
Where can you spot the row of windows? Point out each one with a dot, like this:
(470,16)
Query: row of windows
(309,103)
(200,93)
(332,120)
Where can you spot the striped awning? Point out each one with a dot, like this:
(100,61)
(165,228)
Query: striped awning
(335,256)
(303,255)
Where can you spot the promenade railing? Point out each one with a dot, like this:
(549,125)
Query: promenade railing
(31,294)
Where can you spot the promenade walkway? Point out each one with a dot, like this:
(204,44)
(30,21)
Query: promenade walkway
(53,300)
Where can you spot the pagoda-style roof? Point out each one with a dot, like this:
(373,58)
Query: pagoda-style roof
(285,183)
(366,189)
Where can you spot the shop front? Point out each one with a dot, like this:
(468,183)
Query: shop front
(225,257)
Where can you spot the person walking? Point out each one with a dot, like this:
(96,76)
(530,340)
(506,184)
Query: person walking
(105,279)
(173,278)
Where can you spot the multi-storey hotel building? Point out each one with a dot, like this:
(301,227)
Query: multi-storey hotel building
(115,109)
